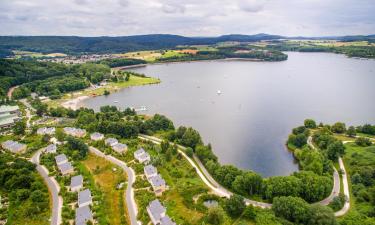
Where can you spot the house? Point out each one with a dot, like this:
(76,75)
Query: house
(166,221)
(83,215)
(61,159)
(157,214)
(150,171)
(96,136)
(111,141)
(84,198)
(9,115)
(51,148)
(76,183)
(156,211)
(119,147)
(76,132)
(142,156)
(14,146)
(46,130)
(158,184)
(66,168)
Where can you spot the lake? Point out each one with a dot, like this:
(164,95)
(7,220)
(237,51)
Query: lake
(260,102)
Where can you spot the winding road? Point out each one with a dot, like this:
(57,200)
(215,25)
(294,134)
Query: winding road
(223,192)
(53,187)
(130,202)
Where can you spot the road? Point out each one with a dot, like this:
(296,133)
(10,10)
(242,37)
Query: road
(346,207)
(223,192)
(28,113)
(130,202)
(53,187)
(10,91)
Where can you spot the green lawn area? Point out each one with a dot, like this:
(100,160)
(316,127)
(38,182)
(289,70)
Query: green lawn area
(106,179)
(358,159)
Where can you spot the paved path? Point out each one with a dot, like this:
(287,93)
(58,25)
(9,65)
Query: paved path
(131,204)
(53,187)
(10,91)
(223,192)
(346,207)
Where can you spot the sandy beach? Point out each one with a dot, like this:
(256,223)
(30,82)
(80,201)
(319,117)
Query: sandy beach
(74,103)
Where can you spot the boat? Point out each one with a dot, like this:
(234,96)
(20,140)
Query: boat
(218,92)
(115,101)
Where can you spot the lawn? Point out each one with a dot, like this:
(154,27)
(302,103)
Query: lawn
(107,177)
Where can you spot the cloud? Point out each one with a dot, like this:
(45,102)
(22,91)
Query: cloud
(186,17)
(252,6)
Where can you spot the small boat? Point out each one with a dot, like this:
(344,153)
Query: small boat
(115,101)
(218,92)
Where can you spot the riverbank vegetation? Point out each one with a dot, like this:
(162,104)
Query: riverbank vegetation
(27,195)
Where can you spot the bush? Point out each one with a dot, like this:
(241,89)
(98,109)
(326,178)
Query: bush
(363,142)
(235,205)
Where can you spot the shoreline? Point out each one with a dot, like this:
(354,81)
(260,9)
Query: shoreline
(74,103)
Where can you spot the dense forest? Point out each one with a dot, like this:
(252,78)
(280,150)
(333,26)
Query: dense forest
(77,45)
(351,51)
(46,78)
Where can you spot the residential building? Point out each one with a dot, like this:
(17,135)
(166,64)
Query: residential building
(142,156)
(83,215)
(66,168)
(76,132)
(51,148)
(96,136)
(120,148)
(61,159)
(157,214)
(9,115)
(156,211)
(111,141)
(14,146)
(150,171)
(166,221)
(84,198)
(158,184)
(76,183)
(46,130)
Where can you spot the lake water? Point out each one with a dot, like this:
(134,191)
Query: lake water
(260,103)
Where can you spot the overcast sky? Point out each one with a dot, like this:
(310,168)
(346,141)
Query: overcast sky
(187,17)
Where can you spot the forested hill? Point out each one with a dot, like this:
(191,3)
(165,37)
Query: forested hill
(76,45)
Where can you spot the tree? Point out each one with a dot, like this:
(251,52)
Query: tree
(309,123)
(338,128)
(291,208)
(215,215)
(248,183)
(338,202)
(351,132)
(282,186)
(106,92)
(335,149)
(298,140)
(189,152)
(321,215)
(363,141)
(191,138)
(19,127)
(235,205)
(249,212)
(77,144)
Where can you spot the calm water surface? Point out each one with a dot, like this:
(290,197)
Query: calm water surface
(260,103)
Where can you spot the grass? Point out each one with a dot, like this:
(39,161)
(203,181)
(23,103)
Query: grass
(107,180)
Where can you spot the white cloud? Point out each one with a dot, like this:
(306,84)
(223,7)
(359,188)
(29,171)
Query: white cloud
(187,17)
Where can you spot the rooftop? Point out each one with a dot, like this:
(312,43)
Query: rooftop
(7,118)
(139,152)
(65,167)
(157,181)
(119,147)
(96,135)
(76,181)
(13,146)
(84,197)
(150,169)
(61,158)
(8,108)
(51,148)
(156,209)
(166,221)
(111,141)
(83,214)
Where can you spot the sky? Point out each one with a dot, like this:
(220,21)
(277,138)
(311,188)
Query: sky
(187,17)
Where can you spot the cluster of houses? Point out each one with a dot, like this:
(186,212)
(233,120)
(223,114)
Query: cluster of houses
(80,59)
(75,132)
(157,213)
(111,142)
(83,212)
(9,115)
(14,146)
